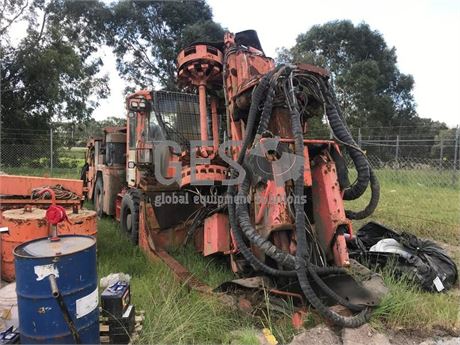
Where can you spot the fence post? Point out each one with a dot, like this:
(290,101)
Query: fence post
(359,137)
(441,152)
(51,151)
(454,173)
(397,150)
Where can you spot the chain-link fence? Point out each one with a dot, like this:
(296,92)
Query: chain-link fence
(419,173)
(418,169)
(419,161)
(41,152)
(427,155)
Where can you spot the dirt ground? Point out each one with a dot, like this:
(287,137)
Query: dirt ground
(366,335)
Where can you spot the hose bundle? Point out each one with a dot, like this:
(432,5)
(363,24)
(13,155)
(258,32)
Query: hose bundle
(300,266)
(60,192)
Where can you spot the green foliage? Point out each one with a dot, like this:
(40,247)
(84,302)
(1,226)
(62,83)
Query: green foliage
(444,140)
(370,88)
(81,132)
(174,315)
(51,73)
(406,306)
(148,35)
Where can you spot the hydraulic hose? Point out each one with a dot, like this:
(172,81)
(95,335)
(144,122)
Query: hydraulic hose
(281,257)
(278,255)
(373,202)
(237,233)
(302,261)
(244,221)
(303,268)
(359,159)
(256,99)
(374,184)
(252,259)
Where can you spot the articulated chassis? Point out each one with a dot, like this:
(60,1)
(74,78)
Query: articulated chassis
(321,178)
(267,109)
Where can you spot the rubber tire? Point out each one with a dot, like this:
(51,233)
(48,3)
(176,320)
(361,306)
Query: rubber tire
(129,213)
(98,198)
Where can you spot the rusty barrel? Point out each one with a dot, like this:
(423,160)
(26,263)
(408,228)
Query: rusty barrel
(26,225)
(56,285)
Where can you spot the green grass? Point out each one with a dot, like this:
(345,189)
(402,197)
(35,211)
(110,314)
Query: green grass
(426,211)
(245,336)
(72,173)
(429,210)
(212,270)
(407,307)
(74,152)
(174,315)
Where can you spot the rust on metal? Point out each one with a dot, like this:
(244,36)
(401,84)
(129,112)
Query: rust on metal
(313,69)
(26,225)
(15,190)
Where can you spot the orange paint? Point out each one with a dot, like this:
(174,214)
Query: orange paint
(26,226)
(23,185)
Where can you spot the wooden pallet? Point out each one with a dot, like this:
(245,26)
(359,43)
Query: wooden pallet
(104,328)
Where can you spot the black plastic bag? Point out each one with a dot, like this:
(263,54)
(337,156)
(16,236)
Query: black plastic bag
(425,261)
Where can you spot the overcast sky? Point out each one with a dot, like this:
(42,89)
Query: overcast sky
(426,35)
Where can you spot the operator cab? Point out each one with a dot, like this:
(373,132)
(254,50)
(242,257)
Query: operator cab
(153,118)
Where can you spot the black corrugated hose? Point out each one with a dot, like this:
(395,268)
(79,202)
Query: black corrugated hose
(256,99)
(302,261)
(303,267)
(337,121)
(359,159)
(373,202)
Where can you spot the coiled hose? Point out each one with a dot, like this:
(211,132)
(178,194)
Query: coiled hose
(358,157)
(373,202)
(268,248)
(358,188)
(305,268)
(281,257)
(302,261)
(256,99)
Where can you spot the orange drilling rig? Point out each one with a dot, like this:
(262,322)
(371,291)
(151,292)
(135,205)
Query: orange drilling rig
(230,170)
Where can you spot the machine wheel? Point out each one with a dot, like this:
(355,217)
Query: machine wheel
(98,198)
(129,214)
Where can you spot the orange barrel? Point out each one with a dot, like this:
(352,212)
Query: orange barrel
(29,225)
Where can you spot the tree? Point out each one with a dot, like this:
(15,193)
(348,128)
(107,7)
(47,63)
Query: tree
(370,88)
(445,140)
(10,12)
(148,35)
(52,72)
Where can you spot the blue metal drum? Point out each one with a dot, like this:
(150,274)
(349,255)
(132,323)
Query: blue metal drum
(53,277)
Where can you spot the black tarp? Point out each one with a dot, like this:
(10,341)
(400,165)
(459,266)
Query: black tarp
(426,262)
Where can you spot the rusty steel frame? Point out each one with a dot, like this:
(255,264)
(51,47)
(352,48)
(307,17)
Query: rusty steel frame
(16,190)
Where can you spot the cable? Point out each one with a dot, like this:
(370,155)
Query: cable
(239,212)
(302,261)
(373,202)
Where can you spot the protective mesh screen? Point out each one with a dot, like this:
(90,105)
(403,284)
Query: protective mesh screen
(178,115)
